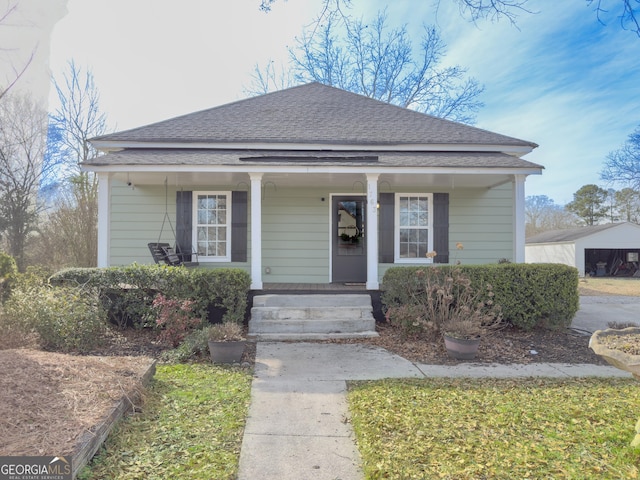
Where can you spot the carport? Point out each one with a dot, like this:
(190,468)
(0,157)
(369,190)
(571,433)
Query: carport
(612,249)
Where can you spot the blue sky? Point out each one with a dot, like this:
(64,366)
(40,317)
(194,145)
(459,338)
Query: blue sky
(559,79)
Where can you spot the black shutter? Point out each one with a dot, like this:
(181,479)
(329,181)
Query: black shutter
(239,226)
(386,228)
(184,244)
(441,227)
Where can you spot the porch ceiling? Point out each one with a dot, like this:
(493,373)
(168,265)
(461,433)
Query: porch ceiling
(346,181)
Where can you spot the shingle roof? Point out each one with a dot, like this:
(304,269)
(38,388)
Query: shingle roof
(570,234)
(312,114)
(145,156)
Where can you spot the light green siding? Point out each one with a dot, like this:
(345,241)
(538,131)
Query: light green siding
(296,223)
(136,220)
(295,235)
(481,220)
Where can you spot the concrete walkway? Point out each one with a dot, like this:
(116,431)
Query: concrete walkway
(298,424)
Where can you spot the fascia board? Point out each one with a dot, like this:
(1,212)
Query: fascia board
(518,150)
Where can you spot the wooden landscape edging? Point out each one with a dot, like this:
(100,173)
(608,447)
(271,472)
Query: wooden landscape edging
(92,440)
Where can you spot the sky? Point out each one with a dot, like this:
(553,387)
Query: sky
(559,78)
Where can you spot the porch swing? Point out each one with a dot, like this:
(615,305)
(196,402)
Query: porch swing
(164,253)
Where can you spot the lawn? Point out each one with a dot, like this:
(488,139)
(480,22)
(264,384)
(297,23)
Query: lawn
(610,286)
(190,427)
(498,429)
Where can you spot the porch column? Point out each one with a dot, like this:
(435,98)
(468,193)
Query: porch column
(518,218)
(372,231)
(256,230)
(104,215)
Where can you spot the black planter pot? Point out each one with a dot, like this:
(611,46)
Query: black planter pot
(226,352)
(461,348)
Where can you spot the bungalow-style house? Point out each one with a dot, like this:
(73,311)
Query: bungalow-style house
(311,185)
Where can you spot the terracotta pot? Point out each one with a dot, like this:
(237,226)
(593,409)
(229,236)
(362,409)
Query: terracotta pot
(226,352)
(460,348)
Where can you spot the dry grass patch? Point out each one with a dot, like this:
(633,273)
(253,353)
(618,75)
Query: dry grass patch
(609,286)
(48,400)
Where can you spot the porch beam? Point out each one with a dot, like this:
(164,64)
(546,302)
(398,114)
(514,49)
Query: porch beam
(518,218)
(372,231)
(104,216)
(256,230)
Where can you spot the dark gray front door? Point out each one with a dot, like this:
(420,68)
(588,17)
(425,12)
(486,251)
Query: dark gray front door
(349,240)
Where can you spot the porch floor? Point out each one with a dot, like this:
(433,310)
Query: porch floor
(314,287)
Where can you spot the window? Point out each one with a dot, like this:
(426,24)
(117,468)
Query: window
(414,227)
(212,225)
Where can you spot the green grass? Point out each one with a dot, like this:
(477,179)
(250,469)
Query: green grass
(497,429)
(190,428)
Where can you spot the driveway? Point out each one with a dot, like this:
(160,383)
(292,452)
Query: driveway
(597,311)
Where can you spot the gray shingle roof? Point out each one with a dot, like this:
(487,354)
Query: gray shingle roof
(312,114)
(254,157)
(569,234)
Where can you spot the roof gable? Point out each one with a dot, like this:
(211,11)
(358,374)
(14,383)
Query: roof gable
(572,234)
(312,114)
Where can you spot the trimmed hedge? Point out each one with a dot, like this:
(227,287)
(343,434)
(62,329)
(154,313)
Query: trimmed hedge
(127,292)
(530,295)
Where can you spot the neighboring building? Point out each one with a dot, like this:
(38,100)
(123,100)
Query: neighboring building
(273,183)
(600,250)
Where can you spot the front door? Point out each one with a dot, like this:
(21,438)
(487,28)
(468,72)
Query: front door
(349,240)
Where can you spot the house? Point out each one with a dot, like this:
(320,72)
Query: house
(612,249)
(311,185)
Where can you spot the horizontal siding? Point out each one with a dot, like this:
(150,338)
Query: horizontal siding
(482,220)
(136,220)
(295,234)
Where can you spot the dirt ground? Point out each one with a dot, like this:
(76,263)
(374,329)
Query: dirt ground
(47,400)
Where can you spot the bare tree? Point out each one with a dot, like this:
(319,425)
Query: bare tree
(622,166)
(629,17)
(627,11)
(73,223)
(378,61)
(543,214)
(23,168)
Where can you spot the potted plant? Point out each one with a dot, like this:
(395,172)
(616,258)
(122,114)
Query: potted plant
(226,342)
(461,312)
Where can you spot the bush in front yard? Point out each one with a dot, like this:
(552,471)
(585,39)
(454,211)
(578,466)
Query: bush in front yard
(530,295)
(127,293)
(65,319)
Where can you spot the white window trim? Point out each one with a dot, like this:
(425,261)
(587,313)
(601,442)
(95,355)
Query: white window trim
(396,228)
(194,225)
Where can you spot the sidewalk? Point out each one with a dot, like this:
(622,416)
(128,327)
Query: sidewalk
(298,419)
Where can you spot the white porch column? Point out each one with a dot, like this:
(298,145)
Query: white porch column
(372,231)
(518,218)
(104,219)
(256,231)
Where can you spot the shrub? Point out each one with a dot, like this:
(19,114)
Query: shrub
(175,319)
(65,319)
(194,345)
(127,293)
(444,301)
(8,272)
(529,295)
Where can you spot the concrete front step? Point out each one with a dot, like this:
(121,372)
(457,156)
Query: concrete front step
(311,317)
